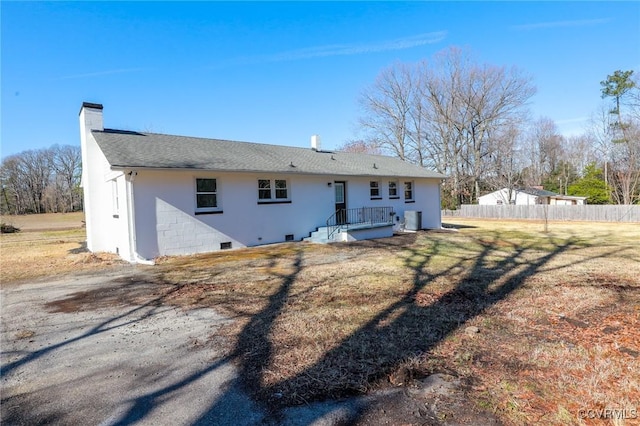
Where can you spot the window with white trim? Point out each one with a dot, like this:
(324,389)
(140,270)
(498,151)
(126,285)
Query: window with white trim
(115,200)
(273,191)
(206,194)
(264,189)
(408,191)
(374,190)
(393,189)
(282,193)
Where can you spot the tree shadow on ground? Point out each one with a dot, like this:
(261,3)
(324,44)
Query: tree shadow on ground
(126,293)
(456,226)
(82,248)
(409,327)
(252,354)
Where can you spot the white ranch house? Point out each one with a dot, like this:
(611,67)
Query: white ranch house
(148,195)
(528,196)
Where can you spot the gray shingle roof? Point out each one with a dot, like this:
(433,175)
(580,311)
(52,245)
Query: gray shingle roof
(125,149)
(538,192)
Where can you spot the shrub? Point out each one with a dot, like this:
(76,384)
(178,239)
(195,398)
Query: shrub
(6,228)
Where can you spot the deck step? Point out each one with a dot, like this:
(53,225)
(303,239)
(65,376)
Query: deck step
(321,236)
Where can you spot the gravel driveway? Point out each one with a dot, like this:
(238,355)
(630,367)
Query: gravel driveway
(106,350)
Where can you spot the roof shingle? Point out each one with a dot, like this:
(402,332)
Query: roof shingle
(126,149)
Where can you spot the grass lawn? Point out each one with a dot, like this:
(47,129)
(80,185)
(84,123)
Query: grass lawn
(45,221)
(46,246)
(558,315)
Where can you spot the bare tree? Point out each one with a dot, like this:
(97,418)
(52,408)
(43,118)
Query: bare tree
(506,162)
(443,142)
(387,107)
(624,172)
(623,135)
(579,150)
(14,193)
(495,98)
(599,131)
(36,166)
(67,163)
(359,146)
(544,148)
(44,180)
(445,113)
(620,157)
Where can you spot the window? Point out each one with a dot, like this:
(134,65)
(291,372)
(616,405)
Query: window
(206,194)
(264,189)
(408,191)
(115,200)
(339,191)
(374,189)
(273,191)
(393,189)
(281,189)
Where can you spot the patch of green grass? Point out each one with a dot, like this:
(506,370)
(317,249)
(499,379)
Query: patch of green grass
(564,416)
(508,386)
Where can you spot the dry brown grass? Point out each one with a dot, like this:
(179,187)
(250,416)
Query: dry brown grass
(45,221)
(36,254)
(558,314)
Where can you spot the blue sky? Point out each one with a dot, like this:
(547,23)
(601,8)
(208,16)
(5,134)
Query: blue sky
(279,72)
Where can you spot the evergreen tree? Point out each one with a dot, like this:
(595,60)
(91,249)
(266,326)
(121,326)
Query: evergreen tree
(591,185)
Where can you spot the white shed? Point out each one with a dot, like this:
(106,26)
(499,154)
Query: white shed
(528,196)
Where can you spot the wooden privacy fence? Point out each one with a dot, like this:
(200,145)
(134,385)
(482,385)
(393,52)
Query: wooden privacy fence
(618,213)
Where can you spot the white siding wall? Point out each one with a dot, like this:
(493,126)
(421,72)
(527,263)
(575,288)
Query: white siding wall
(119,226)
(426,198)
(566,202)
(166,223)
(523,199)
(519,198)
(101,228)
(428,201)
(492,198)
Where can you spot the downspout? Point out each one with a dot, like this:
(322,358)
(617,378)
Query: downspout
(134,257)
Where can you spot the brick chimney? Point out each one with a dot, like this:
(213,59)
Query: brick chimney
(90,119)
(92,171)
(91,116)
(315,143)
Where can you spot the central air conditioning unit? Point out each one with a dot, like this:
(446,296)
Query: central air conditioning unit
(412,220)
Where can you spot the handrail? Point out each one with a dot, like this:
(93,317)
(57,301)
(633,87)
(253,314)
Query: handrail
(346,218)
